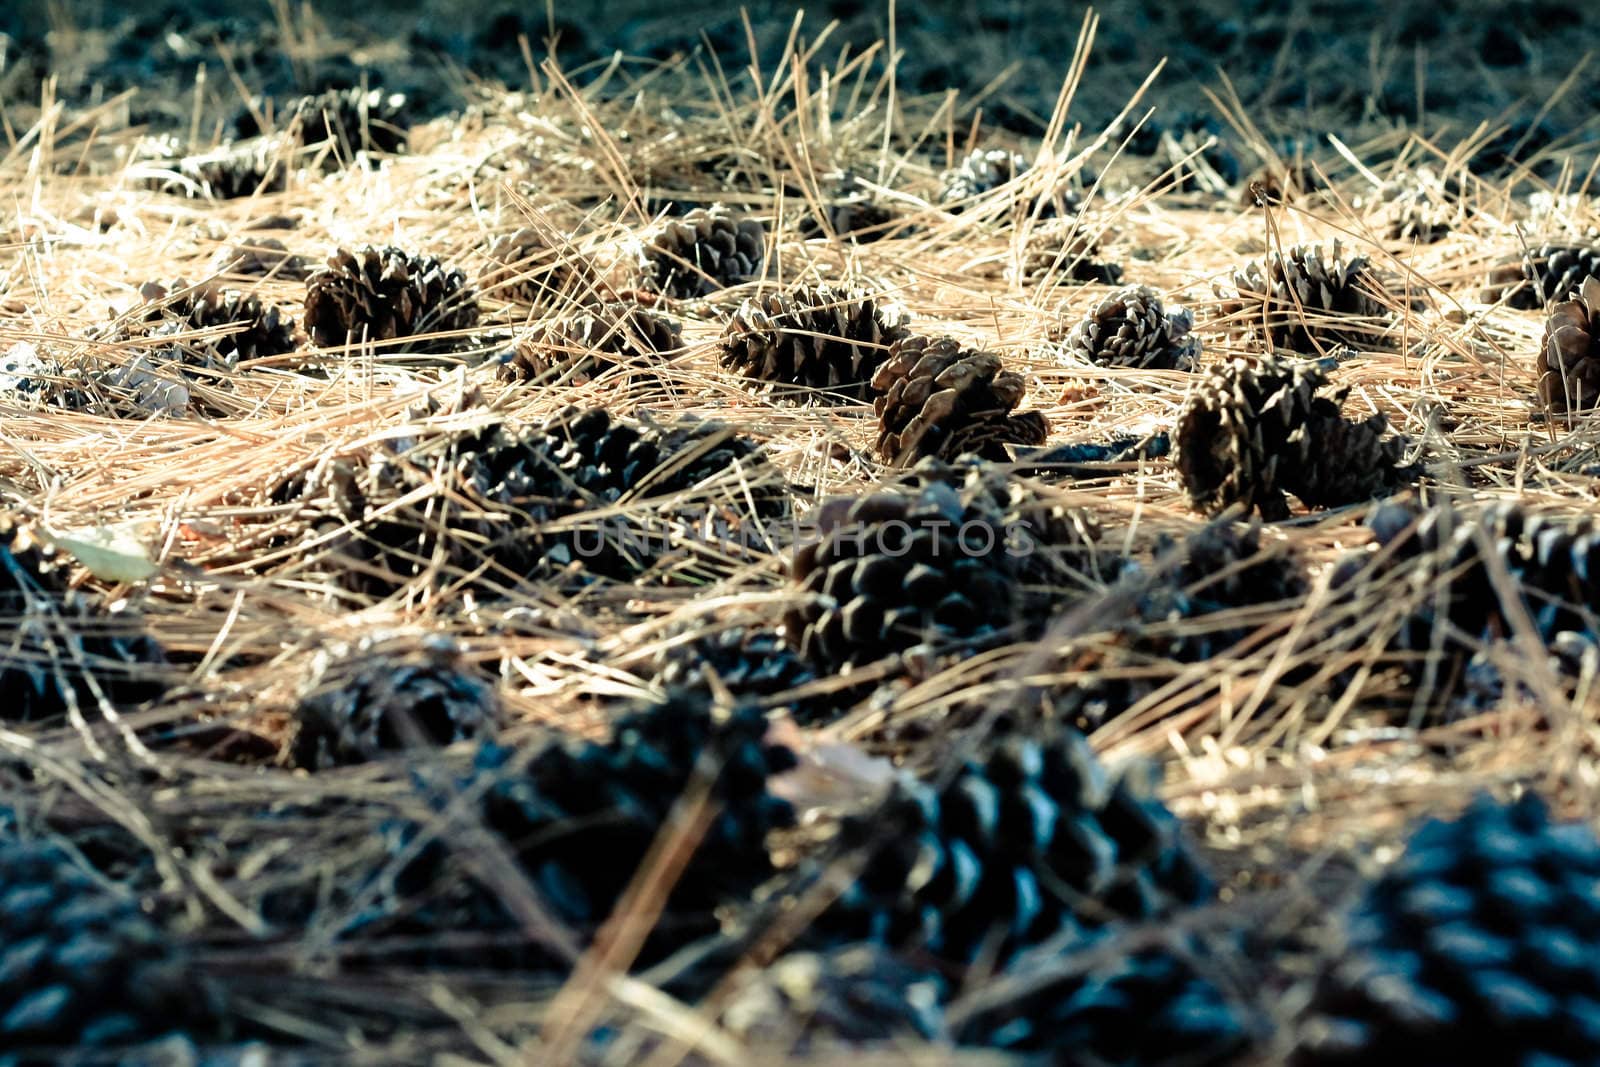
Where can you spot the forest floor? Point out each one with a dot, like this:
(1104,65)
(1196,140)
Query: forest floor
(1296,727)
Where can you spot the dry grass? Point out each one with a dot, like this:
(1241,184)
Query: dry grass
(1288,783)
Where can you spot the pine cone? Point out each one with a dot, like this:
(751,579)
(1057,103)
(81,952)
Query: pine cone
(354,120)
(55,642)
(1253,429)
(83,968)
(808,1003)
(1055,548)
(1432,562)
(1544,274)
(527,267)
(1569,353)
(527,486)
(900,569)
(1141,1009)
(753,664)
(939,399)
(381,294)
(548,806)
(229,173)
(1131,328)
(1573,660)
(376,701)
(268,331)
(985,170)
(850,213)
(816,339)
(1479,945)
(1064,249)
(591,342)
(1309,298)
(1029,839)
(982,171)
(704,251)
(1219,570)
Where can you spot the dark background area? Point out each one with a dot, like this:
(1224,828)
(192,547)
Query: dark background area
(1299,69)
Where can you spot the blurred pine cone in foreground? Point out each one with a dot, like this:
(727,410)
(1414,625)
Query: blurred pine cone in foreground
(1480,945)
(1569,353)
(376,701)
(1252,429)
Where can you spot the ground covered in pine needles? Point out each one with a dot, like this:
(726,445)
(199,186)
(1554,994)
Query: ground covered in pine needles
(732,560)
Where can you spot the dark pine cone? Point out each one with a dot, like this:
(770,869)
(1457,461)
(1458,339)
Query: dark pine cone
(230,173)
(1216,588)
(591,342)
(1252,429)
(522,480)
(808,1003)
(1433,563)
(378,701)
(1549,272)
(850,213)
(1308,299)
(530,267)
(1064,250)
(939,399)
(353,119)
(900,569)
(55,642)
(753,664)
(1574,660)
(1131,328)
(553,807)
(267,330)
(1480,945)
(1029,839)
(820,343)
(1569,352)
(704,251)
(1055,547)
(82,967)
(380,294)
(1149,1008)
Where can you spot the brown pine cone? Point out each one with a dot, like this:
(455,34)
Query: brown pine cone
(1253,428)
(704,251)
(1131,328)
(525,267)
(1569,353)
(591,342)
(267,330)
(939,399)
(380,294)
(1308,297)
(821,343)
